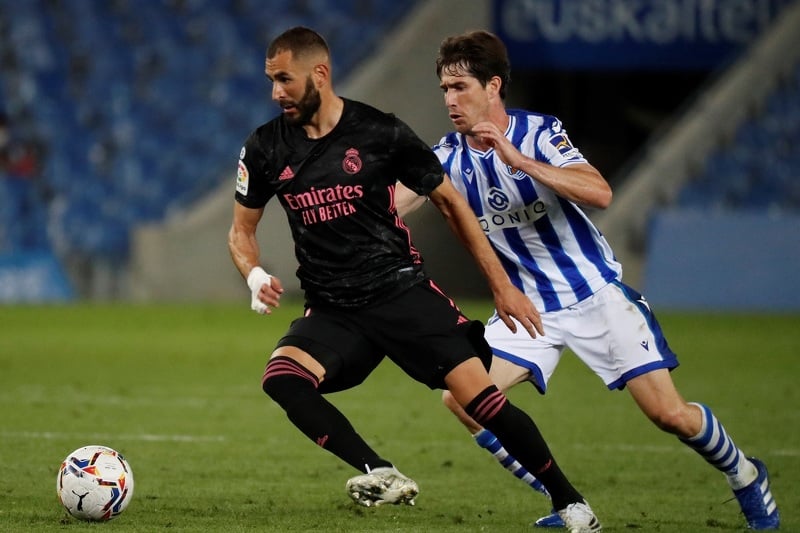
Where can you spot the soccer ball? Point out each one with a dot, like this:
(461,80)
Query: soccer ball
(94,483)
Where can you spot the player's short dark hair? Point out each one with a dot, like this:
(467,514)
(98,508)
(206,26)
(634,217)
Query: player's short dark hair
(300,41)
(479,53)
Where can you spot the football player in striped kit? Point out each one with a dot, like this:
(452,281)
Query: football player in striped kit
(525,181)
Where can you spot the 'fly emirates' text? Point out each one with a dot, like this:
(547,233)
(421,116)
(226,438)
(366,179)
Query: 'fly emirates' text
(323,205)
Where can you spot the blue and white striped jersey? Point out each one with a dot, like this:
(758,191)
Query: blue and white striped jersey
(549,247)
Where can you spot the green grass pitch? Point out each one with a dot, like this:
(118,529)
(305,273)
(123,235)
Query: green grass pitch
(176,390)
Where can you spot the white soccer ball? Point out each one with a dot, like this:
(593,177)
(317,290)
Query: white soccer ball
(95,483)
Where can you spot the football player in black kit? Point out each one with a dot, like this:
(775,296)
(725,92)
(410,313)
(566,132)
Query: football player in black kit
(332,163)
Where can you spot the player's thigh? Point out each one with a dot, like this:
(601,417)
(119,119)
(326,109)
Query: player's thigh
(506,374)
(426,335)
(518,357)
(345,354)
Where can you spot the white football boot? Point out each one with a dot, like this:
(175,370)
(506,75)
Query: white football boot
(382,485)
(579,518)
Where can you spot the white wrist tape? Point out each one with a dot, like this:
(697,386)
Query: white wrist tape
(255,280)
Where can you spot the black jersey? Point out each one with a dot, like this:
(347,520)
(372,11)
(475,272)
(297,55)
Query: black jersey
(338,194)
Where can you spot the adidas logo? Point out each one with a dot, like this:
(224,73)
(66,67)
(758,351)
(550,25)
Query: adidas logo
(287,174)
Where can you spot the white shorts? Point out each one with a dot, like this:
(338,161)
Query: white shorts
(613,332)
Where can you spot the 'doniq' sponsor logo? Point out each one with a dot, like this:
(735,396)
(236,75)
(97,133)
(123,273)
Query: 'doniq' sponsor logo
(503,218)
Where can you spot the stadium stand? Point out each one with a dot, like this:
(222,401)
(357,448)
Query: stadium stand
(759,168)
(728,240)
(694,143)
(139,106)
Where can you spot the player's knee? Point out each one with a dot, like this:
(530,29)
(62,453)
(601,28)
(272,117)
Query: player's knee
(284,378)
(673,420)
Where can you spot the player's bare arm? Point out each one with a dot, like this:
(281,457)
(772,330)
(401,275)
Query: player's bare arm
(580,183)
(244,250)
(509,301)
(407,201)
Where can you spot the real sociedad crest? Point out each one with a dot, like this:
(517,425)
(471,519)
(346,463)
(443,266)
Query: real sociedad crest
(516,173)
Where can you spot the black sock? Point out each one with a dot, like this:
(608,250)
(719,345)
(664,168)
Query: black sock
(295,389)
(522,439)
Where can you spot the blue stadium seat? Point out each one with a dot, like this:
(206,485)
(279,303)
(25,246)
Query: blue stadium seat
(760,168)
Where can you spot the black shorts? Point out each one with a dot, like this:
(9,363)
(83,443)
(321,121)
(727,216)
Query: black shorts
(421,330)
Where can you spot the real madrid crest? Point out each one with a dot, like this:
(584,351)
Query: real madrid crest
(351,162)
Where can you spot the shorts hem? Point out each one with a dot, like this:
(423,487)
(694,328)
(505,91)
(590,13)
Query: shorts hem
(620,383)
(536,379)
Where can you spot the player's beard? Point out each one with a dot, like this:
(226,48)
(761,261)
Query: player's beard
(307,107)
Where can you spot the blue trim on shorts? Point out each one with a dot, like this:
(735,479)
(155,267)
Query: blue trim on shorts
(536,379)
(670,364)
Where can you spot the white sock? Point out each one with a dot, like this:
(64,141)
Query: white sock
(746,474)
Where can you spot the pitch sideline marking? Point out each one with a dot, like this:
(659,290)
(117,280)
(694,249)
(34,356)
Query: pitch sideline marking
(146,437)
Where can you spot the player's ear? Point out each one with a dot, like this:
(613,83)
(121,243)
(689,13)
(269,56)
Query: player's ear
(322,74)
(493,86)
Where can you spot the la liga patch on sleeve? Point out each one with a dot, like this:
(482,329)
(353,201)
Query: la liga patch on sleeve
(561,142)
(242,179)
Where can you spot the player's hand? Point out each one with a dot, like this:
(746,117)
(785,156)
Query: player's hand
(488,133)
(265,291)
(510,303)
